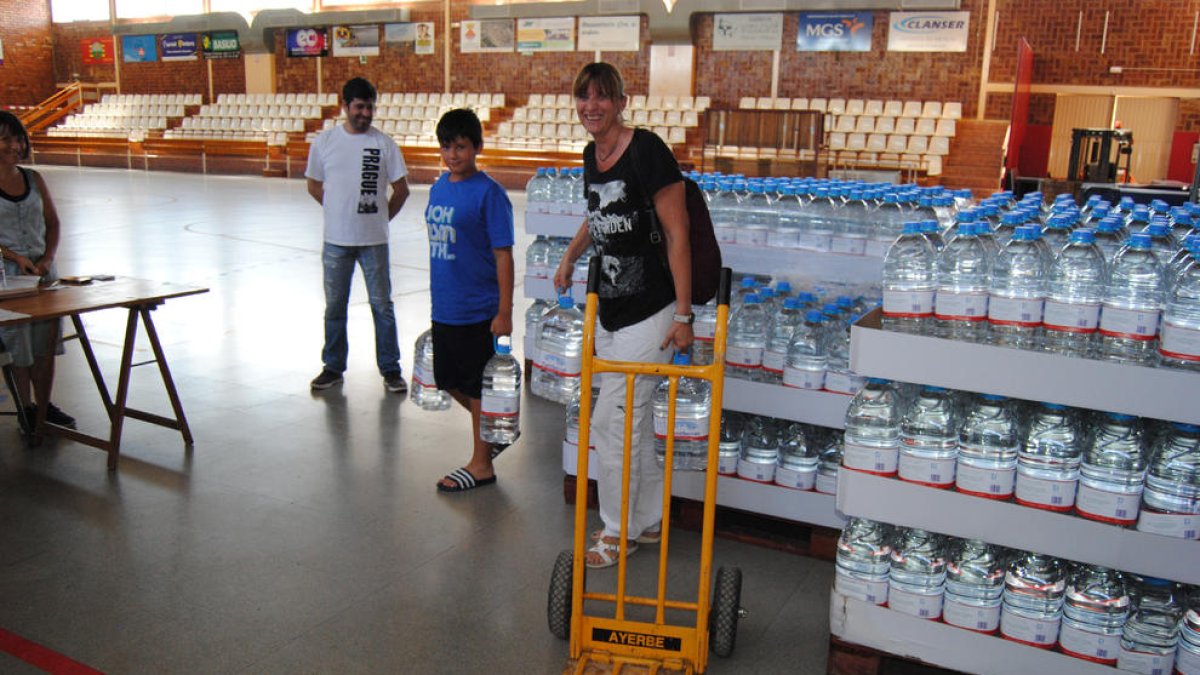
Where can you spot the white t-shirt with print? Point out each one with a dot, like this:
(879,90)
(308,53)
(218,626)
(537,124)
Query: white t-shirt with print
(356,170)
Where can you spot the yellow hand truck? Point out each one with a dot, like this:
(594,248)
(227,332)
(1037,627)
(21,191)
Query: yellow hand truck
(619,641)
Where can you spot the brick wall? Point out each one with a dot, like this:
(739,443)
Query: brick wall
(68,57)
(27,75)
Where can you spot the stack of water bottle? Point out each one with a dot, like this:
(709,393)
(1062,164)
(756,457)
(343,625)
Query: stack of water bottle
(500,418)
(1137,623)
(556,191)
(1107,467)
(1117,283)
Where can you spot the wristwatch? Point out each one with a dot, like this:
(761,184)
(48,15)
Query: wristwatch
(688,319)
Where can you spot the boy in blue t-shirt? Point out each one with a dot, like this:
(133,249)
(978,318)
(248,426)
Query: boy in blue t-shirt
(470,222)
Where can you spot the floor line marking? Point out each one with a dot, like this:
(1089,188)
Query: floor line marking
(41,657)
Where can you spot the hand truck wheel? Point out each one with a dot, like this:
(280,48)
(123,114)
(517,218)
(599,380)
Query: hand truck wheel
(558,605)
(726,610)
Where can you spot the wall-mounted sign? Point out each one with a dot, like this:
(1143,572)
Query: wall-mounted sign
(139,49)
(97,51)
(610,33)
(400,33)
(221,45)
(546,35)
(488,35)
(306,42)
(928,31)
(747,32)
(1,52)
(178,46)
(834,32)
(425,34)
(356,40)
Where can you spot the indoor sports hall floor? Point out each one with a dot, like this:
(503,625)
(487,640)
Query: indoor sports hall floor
(302,533)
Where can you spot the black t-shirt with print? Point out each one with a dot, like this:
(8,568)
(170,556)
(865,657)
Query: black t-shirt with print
(634,282)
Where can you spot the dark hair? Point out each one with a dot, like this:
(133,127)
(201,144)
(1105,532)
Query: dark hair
(460,123)
(11,125)
(604,77)
(358,87)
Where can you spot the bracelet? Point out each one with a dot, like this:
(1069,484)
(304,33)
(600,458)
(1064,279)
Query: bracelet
(686,319)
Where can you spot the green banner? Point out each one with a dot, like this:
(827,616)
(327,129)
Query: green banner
(221,45)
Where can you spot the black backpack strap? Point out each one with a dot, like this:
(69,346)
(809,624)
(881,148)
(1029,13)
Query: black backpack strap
(656,231)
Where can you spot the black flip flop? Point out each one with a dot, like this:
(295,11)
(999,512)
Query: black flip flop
(463,480)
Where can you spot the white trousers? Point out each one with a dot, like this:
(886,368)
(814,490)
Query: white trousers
(639,342)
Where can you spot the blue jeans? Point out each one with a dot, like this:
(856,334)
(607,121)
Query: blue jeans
(338,262)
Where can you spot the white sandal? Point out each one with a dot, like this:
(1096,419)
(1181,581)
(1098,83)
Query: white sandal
(646,537)
(608,552)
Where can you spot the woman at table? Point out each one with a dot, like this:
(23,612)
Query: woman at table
(29,235)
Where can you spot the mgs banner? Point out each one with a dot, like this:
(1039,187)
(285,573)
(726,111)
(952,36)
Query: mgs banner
(178,46)
(221,45)
(97,51)
(306,42)
(840,32)
(928,31)
(139,49)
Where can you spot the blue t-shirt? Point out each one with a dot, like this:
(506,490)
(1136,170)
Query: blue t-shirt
(466,221)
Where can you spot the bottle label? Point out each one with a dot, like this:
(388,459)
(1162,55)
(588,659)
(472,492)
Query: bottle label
(1096,647)
(563,366)
(705,331)
(971,617)
(868,591)
(1132,324)
(848,245)
(744,357)
(990,483)
(877,248)
(1119,508)
(1145,663)
(961,306)
(540,207)
(726,234)
(759,473)
(422,376)
(1071,317)
(1044,493)
(814,242)
(938,473)
(1036,632)
(880,461)
(1015,311)
(803,379)
(1187,662)
(506,404)
(826,483)
(923,606)
(1179,342)
(908,303)
(1178,525)
(785,238)
(797,480)
(843,382)
(727,465)
(538,271)
(686,428)
(774,361)
(751,236)
(531,348)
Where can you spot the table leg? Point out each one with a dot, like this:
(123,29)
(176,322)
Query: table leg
(168,381)
(118,410)
(97,376)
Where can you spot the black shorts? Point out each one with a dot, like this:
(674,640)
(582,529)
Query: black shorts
(459,355)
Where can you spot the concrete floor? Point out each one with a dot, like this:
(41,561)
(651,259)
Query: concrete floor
(302,533)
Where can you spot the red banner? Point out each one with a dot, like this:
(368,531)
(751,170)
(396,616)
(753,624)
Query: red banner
(97,51)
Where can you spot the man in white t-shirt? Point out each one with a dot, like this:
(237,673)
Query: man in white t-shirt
(349,169)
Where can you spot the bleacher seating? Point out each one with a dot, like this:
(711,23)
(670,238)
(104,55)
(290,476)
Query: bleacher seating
(548,122)
(411,118)
(125,116)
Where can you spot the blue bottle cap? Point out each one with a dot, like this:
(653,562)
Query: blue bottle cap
(1139,240)
(813,316)
(682,359)
(993,397)
(930,387)
(504,349)
(1083,236)
(751,299)
(791,303)
(1053,406)
(877,380)
(911,228)
(565,302)
(749,282)
(1120,417)
(783,287)
(1187,428)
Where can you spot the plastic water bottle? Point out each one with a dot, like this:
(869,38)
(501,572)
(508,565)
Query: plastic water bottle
(1161,242)
(863,561)
(1007,227)
(537,258)
(806,359)
(533,325)
(909,283)
(562,190)
(786,211)
(1034,586)
(1048,462)
(556,373)
(779,335)
(424,387)
(704,329)
(1112,472)
(572,427)
(760,449)
(929,439)
(1187,657)
(724,212)
(1110,237)
(578,192)
(963,273)
(537,191)
(1094,612)
(974,586)
(988,441)
(819,221)
(1180,346)
(917,576)
(829,462)
(693,403)
(558,248)
(798,459)
(929,228)
(1180,263)
(500,407)
(872,437)
(729,449)
(747,340)
(1151,633)
(1017,292)
(1171,499)
(1132,300)
(1056,232)
(1074,290)
(856,217)
(839,378)
(756,217)
(888,222)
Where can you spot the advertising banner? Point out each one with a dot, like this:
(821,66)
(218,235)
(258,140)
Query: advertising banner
(139,49)
(546,35)
(491,35)
(834,32)
(356,40)
(97,51)
(928,31)
(400,33)
(221,45)
(305,42)
(747,32)
(178,46)
(610,33)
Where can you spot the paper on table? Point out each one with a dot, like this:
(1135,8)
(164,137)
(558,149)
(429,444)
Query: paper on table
(6,315)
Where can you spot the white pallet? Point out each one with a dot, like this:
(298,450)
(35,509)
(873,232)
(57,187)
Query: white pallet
(1010,524)
(1159,393)
(552,224)
(822,408)
(787,263)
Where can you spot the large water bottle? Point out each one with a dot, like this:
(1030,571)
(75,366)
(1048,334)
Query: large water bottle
(779,335)
(1132,300)
(534,316)
(1048,462)
(1171,500)
(819,220)
(1110,237)
(909,283)
(839,378)
(1073,293)
(556,373)
(500,407)
(578,192)
(537,258)
(724,212)
(424,387)
(756,217)
(917,576)
(537,191)
(863,561)
(1034,586)
(929,439)
(1162,243)
(1007,227)
(1151,633)
(888,223)
(571,433)
(1180,345)
(1095,610)
(1180,263)
(829,454)
(562,190)
(558,248)
(963,274)
(1017,292)
(729,449)
(872,438)
(786,211)
(806,360)
(760,449)
(1187,657)
(988,441)
(1056,232)
(747,340)
(798,459)
(857,215)
(1112,472)
(693,402)
(704,330)
(974,585)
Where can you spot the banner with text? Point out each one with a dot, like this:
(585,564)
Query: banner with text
(97,51)
(610,33)
(747,32)
(834,32)
(928,31)
(139,49)
(221,45)
(307,42)
(178,46)
(489,35)
(546,35)
(356,40)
